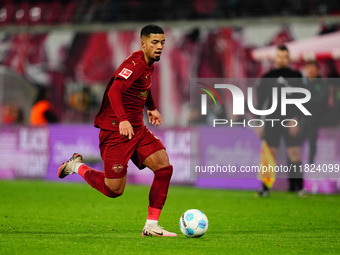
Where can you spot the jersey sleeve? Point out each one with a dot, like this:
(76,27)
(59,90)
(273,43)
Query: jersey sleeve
(128,73)
(149,103)
(125,76)
(115,97)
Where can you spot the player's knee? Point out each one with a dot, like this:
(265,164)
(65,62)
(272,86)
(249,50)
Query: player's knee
(114,194)
(162,162)
(115,191)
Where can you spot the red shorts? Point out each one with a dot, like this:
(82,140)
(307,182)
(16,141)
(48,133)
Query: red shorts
(116,150)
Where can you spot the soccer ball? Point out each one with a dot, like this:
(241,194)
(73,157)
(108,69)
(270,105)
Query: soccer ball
(193,223)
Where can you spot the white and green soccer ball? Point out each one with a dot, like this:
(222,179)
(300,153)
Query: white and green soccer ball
(193,223)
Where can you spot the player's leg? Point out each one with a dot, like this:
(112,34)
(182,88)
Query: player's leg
(312,139)
(115,150)
(109,187)
(295,176)
(150,152)
(159,163)
(295,164)
(96,179)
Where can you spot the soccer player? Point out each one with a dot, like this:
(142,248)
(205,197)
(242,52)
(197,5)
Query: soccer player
(124,136)
(279,77)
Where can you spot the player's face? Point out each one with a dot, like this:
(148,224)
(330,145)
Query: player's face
(282,59)
(153,46)
(311,71)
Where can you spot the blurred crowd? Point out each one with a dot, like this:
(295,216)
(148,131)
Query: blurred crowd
(85,11)
(66,72)
(324,105)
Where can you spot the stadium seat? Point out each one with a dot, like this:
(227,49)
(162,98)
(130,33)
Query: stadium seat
(7,13)
(22,13)
(52,13)
(36,13)
(68,14)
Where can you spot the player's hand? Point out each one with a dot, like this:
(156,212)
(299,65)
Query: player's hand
(126,129)
(155,117)
(293,131)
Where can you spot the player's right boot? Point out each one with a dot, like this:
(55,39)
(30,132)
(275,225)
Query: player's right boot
(156,230)
(66,167)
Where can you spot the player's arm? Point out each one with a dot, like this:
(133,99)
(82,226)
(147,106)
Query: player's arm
(115,97)
(155,117)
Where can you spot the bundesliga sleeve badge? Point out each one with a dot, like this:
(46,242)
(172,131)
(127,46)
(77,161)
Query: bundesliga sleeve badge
(125,73)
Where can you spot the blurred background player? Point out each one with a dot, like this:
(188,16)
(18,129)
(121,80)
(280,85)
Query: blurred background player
(317,105)
(123,135)
(282,76)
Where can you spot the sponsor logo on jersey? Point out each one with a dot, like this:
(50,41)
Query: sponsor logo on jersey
(125,73)
(143,94)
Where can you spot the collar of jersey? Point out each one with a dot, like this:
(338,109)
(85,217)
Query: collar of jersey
(141,54)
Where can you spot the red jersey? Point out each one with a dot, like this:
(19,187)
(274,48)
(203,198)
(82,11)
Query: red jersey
(126,94)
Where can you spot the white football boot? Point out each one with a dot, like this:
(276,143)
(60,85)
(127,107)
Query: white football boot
(67,167)
(155,230)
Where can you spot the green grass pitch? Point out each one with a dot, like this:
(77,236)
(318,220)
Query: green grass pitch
(39,217)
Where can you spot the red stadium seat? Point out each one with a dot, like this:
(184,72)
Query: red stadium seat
(22,13)
(68,13)
(36,13)
(7,13)
(52,13)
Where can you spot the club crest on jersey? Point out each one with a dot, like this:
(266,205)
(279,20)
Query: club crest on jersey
(117,168)
(125,73)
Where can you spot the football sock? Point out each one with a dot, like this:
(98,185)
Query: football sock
(158,192)
(153,214)
(96,179)
(151,222)
(76,166)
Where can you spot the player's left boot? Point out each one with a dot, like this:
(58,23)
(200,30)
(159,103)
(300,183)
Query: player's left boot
(66,167)
(156,230)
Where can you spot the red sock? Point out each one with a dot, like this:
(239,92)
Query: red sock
(153,213)
(159,191)
(96,180)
